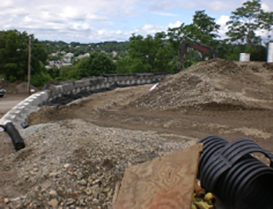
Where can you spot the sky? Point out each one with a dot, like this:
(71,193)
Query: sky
(93,21)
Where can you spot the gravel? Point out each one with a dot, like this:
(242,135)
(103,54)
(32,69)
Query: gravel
(75,164)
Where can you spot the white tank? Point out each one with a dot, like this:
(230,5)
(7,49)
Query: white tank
(270,52)
(244,57)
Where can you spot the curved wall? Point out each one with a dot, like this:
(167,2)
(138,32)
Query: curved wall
(19,113)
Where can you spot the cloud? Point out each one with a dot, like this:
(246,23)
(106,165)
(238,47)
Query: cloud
(265,7)
(215,5)
(93,17)
(220,5)
(175,25)
(6,4)
(165,14)
(223,27)
(152,29)
(99,20)
(71,13)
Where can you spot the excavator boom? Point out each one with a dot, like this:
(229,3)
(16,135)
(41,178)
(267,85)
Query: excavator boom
(202,48)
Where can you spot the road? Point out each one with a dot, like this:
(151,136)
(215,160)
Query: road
(9,101)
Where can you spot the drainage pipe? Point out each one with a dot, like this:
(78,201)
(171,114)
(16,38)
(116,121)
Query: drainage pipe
(239,180)
(16,138)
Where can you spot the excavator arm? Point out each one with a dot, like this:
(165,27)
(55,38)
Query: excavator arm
(202,48)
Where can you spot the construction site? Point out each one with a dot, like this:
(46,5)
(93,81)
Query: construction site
(76,155)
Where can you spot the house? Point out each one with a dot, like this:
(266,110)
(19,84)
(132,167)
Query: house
(68,57)
(114,53)
(83,55)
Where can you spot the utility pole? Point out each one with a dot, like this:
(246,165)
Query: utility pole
(29,64)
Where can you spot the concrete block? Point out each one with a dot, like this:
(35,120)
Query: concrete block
(270,52)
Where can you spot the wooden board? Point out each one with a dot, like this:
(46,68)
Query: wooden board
(163,183)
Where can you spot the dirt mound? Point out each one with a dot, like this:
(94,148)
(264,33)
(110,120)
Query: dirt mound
(10,87)
(214,84)
(22,87)
(17,87)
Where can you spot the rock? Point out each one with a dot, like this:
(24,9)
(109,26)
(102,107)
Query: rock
(66,165)
(53,193)
(4,200)
(15,199)
(70,201)
(53,203)
(82,202)
(83,182)
(95,201)
(69,191)
(87,191)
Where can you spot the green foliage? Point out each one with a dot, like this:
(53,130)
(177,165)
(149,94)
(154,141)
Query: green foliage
(151,54)
(53,72)
(266,23)
(69,72)
(243,23)
(203,29)
(14,55)
(95,65)
(257,53)
(130,65)
(39,79)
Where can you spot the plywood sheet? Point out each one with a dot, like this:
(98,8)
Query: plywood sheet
(163,183)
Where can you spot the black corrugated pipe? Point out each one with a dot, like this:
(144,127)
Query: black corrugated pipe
(16,138)
(239,180)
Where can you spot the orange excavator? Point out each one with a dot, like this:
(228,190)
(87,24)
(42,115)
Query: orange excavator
(200,47)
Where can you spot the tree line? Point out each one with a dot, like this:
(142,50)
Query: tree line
(153,53)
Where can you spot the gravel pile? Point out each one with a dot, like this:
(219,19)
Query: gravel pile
(214,83)
(74,164)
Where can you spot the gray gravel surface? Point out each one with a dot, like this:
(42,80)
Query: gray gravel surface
(75,164)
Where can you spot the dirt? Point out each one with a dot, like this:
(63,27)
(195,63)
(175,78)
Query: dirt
(217,97)
(18,87)
(81,150)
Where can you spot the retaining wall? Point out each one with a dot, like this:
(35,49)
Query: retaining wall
(19,113)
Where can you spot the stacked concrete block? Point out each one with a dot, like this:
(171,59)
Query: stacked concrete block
(31,104)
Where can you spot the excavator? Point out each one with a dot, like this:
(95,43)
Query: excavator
(200,47)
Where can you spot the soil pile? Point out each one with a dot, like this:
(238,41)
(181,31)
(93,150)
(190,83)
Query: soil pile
(17,87)
(10,87)
(216,84)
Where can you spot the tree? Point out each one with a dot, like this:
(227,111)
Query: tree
(153,53)
(266,23)
(206,28)
(244,22)
(14,55)
(96,64)
(69,72)
(203,29)
(131,65)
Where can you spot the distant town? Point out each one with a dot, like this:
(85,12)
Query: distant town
(62,54)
